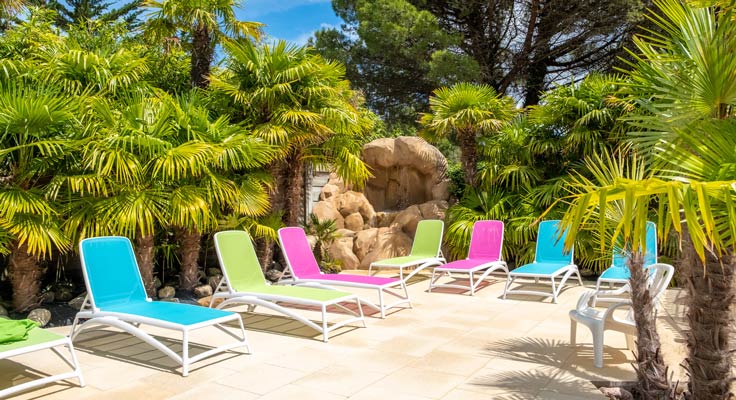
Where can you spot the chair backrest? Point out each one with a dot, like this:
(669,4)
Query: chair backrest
(298,252)
(486,241)
(238,260)
(428,238)
(111,271)
(549,248)
(650,256)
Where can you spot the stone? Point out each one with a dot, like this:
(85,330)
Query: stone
(326,210)
(434,209)
(342,249)
(41,316)
(157,282)
(328,191)
(213,272)
(407,220)
(390,242)
(274,275)
(364,242)
(384,219)
(354,222)
(205,301)
(3,312)
(78,301)
(344,233)
(203,291)
(350,202)
(406,171)
(214,281)
(63,293)
(312,241)
(48,297)
(166,292)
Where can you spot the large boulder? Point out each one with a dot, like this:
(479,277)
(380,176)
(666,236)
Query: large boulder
(342,249)
(354,222)
(407,220)
(434,209)
(326,210)
(406,171)
(364,242)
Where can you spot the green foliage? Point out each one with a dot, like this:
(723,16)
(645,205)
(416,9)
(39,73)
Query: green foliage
(325,233)
(80,12)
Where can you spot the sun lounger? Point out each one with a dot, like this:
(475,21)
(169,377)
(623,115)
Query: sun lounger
(116,297)
(425,252)
(38,339)
(484,257)
(302,269)
(618,272)
(243,283)
(550,262)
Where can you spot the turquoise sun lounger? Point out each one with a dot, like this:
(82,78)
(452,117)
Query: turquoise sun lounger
(550,262)
(116,297)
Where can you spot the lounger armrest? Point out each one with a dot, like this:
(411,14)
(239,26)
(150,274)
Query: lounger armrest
(617,292)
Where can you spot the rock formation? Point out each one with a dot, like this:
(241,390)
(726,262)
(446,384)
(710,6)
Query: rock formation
(409,185)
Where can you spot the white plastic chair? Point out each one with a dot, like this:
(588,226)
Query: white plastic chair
(600,321)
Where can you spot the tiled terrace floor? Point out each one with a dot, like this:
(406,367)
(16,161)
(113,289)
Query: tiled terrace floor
(449,346)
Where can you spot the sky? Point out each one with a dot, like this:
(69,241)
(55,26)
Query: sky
(292,20)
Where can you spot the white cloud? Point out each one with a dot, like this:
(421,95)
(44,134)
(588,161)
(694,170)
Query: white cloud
(256,8)
(302,38)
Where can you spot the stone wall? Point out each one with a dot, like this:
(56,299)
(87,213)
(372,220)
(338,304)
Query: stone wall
(409,185)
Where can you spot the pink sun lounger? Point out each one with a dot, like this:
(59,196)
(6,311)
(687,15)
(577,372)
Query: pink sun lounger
(303,270)
(484,256)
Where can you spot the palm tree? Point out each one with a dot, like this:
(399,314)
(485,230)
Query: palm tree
(466,111)
(207,23)
(296,100)
(34,123)
(685,80)
(222,186)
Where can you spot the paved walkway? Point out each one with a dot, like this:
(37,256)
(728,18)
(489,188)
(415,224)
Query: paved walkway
(449,346)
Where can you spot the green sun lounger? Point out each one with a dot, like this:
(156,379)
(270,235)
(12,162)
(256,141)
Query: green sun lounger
(425,252)
(38,339)
(243,283)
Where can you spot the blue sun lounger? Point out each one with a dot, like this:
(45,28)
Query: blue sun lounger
(618,272)
(550,262)
(116,297)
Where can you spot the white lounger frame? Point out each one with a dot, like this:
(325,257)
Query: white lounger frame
(487,268)
(72,362)
(567,270)
(233,298)
(419,266)
(130,323)
(288,279)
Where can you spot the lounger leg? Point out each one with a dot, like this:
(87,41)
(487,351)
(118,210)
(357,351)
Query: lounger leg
(380,303)
(406,293)
(509,281)
(77,368)
(324,323)
(432,281)
(472,287)
(360,310)
(185,354)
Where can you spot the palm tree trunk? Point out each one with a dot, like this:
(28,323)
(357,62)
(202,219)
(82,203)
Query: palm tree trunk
(190,243)
(294,191)
(710,293)
(25,277)
(468,155)
(144,252)
(650,368)
(202,55)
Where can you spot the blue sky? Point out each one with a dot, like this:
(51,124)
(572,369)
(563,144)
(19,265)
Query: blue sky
(292,20)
